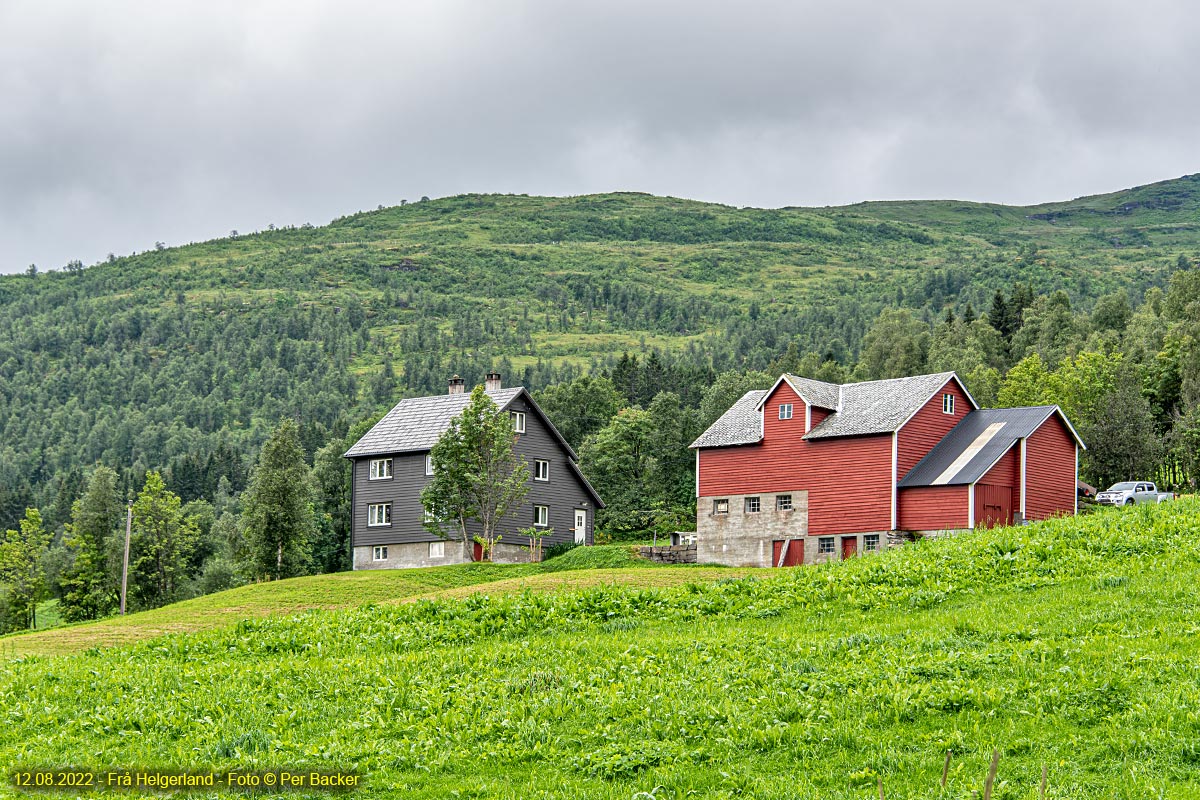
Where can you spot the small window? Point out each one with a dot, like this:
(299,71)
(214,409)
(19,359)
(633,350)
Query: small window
(541,470)
(379,514)
(753,505)
(785,410)
(519,421)
(825,545)
(379,554)
(871,542)
(381,469)
(541,516)
(429,464)
(947,404)
(720,506)
(427,515)
(783,502)
(437,549)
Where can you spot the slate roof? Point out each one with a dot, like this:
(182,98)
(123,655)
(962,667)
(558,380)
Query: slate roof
(815,393)
(878,406)
(415,424)
(975,444)
(741,424)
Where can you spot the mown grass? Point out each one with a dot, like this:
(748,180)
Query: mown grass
(1070,644)
(342,590)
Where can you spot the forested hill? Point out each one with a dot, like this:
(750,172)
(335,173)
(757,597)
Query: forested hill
(183,358)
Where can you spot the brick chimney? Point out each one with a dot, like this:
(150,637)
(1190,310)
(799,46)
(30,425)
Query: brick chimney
(457,385)
(492,384)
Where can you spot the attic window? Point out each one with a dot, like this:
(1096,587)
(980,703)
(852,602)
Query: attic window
(519,421)
(785,410)
(947,404)
(429,464)
(381,469)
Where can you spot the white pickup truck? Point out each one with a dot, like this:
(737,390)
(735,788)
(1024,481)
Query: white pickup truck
(1129,493)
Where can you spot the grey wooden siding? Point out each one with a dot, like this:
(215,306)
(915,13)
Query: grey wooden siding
(563,493)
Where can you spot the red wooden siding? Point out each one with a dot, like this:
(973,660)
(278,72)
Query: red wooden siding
(818,416)
(1004,472)
(934,508)
(928,427)
(848,480)
(1050,478)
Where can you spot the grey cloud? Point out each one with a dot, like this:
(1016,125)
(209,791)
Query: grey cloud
(126,123)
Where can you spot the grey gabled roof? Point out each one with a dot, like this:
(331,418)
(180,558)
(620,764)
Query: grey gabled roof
(415,424)
(878,406)
(815,393)
(975,444)
(741,424)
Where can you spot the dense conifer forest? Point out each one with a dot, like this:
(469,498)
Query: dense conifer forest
(635,320)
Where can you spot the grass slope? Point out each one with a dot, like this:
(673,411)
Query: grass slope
(579,568)
(1070,644)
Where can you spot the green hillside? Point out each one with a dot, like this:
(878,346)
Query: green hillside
(1068,644)
(182,358)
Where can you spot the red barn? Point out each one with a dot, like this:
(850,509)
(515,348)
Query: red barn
(808,471)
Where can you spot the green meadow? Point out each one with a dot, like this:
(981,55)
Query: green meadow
(1070,645)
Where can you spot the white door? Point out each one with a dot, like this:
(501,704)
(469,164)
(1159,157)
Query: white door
(580,526)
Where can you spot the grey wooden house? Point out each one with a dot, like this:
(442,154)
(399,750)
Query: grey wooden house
(392,465)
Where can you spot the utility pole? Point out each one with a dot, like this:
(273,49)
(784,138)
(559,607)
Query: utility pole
(125,563)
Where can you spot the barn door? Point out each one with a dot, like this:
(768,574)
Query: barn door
(994,505)
(849,547)
(795,552)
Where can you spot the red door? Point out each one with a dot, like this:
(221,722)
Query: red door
(993,505)
(795,552)
(849,547)
(477,552)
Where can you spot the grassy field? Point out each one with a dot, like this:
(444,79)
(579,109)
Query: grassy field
(1070,644)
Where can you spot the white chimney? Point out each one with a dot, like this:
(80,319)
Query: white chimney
(492,384)
(457,385)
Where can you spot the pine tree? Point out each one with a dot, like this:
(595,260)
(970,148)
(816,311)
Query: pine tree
(278,519)
(90,588)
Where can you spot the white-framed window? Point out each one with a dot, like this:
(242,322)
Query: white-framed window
(825,545)
(381,469)
(783,502)
(426,515)
(541,516)
(753,505)
(541,470)
(379,553)
(947,404)
(720,506)
(437,549)
(785,410)
(429,463)
(870,542)
(519,421)
(379,514)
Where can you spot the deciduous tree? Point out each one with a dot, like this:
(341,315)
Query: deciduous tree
(277,517)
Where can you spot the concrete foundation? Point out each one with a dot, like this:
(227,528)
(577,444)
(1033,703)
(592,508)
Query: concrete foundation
(411,555)
(727,533)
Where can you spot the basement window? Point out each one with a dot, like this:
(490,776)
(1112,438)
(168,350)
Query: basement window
(720,506)
(785,410)
(381,469)
(825,546)
(783,502)
(379,514)
(437,549)
(753,505)
(947,404)
(871,542)
(379,554)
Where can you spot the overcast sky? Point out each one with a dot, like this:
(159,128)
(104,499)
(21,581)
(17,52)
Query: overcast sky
(122,124)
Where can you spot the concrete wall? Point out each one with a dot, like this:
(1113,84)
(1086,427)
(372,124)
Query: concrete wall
(741,539)
(416,554)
